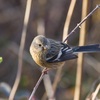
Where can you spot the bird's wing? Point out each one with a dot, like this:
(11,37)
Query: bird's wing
(60,52)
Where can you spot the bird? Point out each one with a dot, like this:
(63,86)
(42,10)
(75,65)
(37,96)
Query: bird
(49,53)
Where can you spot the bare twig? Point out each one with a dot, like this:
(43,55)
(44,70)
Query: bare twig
(68,19)
(57,78)
(22,43)
(65,32)
(77,95)
(37,84)
(79,24)
(48,87)
(94,90)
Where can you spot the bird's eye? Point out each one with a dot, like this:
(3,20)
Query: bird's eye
(40,45)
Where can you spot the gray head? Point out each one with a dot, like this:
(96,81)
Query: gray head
(40,43)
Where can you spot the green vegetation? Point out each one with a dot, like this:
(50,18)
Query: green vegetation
(1,59)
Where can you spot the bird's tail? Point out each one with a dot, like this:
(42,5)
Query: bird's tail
(87,49)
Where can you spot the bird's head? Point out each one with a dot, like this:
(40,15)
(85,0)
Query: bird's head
(40,43)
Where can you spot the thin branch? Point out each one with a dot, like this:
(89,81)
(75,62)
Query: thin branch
(38,83)
(22,43)
(96,92)
(79,24)
(68,19)
(48,87)
(57,78)
(65,32)
(77,94)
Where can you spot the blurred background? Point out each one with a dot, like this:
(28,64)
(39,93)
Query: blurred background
(51,13)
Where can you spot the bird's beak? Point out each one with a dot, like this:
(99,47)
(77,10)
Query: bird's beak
(46,47)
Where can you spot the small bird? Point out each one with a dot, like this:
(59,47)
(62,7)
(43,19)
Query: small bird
(50,53)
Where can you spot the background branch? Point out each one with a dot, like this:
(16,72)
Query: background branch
(48,87)
(83,20)
(65,33)
(77,95)
(94,90)
(22,44)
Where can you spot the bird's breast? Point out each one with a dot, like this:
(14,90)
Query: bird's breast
(39,59)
